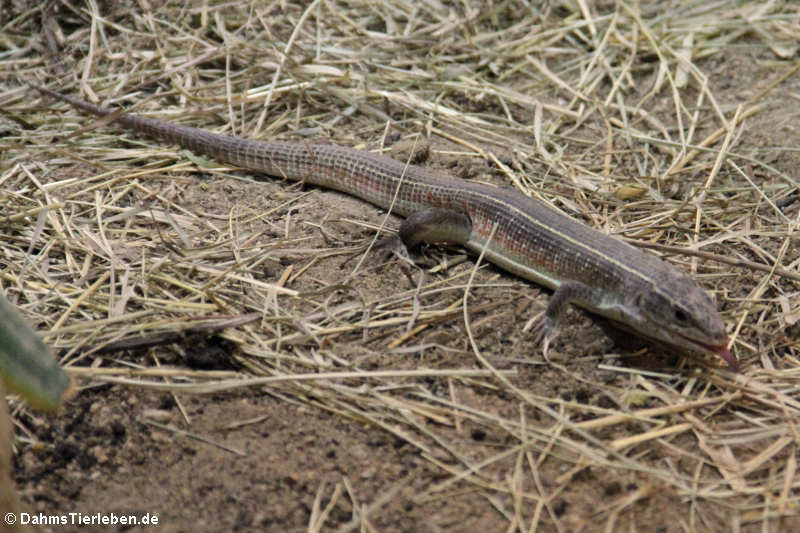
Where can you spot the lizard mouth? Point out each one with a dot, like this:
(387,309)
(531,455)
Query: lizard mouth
(720,350)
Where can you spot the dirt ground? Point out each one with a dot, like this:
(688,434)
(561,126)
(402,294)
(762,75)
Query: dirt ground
(392,454)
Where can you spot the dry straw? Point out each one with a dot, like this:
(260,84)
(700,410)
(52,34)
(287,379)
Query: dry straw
(613,113)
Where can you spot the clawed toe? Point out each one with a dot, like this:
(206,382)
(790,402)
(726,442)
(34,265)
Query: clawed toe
(393,246)
(543,329)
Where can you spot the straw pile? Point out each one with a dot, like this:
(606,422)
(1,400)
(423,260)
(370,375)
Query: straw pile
(664,123)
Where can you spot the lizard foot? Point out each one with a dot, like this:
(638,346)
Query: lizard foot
(543,329)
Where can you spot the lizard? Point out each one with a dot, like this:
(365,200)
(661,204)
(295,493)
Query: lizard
(583,266)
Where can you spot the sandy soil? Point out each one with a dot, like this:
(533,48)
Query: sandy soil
(283,458)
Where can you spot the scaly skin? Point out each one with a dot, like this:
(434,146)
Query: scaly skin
(582,265)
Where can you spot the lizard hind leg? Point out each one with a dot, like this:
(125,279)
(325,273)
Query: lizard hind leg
(435,225)
(430,226)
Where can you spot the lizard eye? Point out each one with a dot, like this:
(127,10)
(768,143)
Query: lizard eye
(679,314)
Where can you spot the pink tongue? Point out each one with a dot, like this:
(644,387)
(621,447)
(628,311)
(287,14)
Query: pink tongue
(723,352)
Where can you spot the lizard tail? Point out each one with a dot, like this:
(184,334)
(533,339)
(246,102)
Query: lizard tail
(75,102)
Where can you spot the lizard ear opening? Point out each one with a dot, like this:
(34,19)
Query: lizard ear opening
(638,299)
(655,305)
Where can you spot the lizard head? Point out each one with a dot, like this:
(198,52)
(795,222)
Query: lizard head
(684,316)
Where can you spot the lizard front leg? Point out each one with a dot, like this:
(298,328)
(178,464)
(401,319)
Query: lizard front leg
(545,325)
